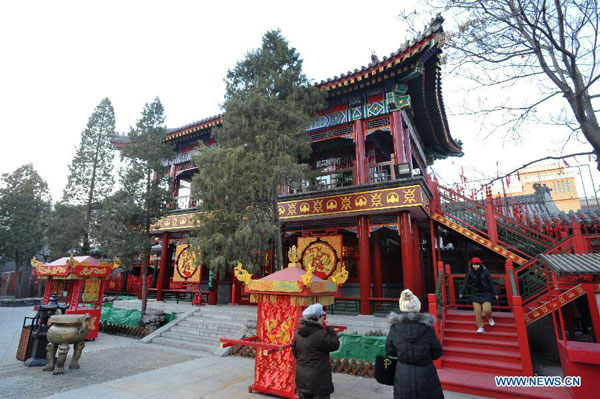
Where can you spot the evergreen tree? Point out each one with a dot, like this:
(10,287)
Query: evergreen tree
(128,214)
(24,207)
(65,229)
(268,106)
(90,172)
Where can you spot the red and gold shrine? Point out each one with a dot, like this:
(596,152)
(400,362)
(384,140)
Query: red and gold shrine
(78,281)
(281,298)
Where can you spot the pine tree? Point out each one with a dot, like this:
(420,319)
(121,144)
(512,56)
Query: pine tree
(128,214)
(65,230)
(90,172)
(24,207)
(268,106)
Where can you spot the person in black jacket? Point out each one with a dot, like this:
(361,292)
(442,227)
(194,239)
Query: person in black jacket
(413,341)
(482,289)
(312,343)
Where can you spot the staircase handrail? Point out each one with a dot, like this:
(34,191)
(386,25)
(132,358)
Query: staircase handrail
(507,222)
(513,285)
(536,267)
(450,193)
(559,244)
(440,296)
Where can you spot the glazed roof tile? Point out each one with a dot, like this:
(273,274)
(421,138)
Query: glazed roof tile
(194,126)
(573,263)
(396,57)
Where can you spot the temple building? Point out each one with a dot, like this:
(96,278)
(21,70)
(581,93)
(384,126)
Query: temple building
(374,210)
(369,207)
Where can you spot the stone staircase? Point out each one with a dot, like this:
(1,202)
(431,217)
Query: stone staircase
(200,328)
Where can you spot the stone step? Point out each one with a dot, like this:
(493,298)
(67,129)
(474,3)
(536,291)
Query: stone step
(223,317)
(205,331)
(213,322)
(207,340)
(194,346)
(198,321)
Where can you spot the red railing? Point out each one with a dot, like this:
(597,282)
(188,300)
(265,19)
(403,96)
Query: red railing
(530,278)
(456,280)
(437,304)
(383,305)
(484,219)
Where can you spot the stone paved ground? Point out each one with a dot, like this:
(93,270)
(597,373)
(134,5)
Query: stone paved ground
(104,360)
(120,368)
(98,366)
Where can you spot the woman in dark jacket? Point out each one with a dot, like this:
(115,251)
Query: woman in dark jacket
(412,339)
(312,343)
(482,288)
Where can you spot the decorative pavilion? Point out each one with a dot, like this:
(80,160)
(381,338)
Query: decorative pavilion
(369,208)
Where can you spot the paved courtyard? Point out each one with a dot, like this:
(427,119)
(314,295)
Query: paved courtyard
(119,367)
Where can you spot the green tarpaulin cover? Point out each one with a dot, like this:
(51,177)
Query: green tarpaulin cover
(360,347)
(126,317)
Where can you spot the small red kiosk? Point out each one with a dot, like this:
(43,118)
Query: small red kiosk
(581,271)
(78,281)
(281,298)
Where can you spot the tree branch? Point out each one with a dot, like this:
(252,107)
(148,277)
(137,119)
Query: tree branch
(531,163)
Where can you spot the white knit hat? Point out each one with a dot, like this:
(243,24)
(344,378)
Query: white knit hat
(313,311)
(409,302)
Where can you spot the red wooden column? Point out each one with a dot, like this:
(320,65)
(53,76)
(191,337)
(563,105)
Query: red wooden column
(233,298)
(164,265)
(364,266)
(377,272)
(509,270)
(579,246)
(433,251)
(491,220)
(433,310)
(398,138)
(594,313)
(358,133)
(406,247)
(213,292)
(419,282)
(522,335)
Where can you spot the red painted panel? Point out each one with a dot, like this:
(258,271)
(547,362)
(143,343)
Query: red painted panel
(375,98)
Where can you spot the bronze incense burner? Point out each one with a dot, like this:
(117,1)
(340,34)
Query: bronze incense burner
(65,330)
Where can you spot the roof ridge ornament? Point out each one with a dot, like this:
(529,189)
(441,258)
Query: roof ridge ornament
(374,58)
(242,274)
(294,257)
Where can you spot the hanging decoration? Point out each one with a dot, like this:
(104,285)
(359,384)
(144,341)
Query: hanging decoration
(186,267)
(322,253)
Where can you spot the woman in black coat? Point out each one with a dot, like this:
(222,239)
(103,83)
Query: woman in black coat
(312,343)
(412,339)
(481,286)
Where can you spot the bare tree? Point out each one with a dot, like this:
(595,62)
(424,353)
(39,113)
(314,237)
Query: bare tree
(548,47)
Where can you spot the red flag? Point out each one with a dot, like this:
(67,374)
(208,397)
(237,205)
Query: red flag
(566,163)
(507,181)
(518,176)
